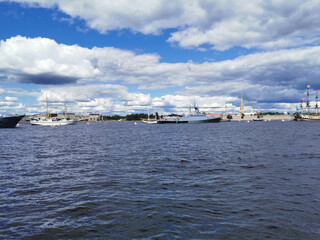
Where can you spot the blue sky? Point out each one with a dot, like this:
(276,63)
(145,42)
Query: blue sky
(120,57)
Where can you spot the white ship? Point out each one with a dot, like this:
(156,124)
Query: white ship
(44,121)
(53,121)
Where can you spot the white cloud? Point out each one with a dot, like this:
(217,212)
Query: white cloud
(99,73)
(10,105)
(223,24)
(11,99)
(116,99)
(43,55)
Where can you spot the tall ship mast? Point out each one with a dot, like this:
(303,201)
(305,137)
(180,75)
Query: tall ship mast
(65,107)
(308,103)
(48,114)
(317,106)
(54,121)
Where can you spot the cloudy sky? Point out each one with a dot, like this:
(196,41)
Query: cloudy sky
(125,56)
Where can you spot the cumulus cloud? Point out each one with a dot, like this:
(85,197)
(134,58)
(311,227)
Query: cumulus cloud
(222,24)
(9,104)
(100,73)
(117,99)
(104,98)
(43,61)
(284,67)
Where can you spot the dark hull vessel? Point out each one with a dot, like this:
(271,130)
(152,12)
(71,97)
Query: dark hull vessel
(189,119)
(306,117)
(10,122)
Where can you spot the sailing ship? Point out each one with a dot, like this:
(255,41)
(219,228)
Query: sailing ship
(151,120)
(10,121)
(53,121)
(307,115)
(195,117)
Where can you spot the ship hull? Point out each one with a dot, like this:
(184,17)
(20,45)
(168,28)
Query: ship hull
(190,120)
(50,122)
(10,122)
(306,118)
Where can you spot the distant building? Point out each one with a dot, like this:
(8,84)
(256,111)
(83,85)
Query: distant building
(95,117)
(91,117)
(241,105)
(69,115)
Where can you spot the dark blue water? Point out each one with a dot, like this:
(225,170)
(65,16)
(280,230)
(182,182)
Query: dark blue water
(236,180)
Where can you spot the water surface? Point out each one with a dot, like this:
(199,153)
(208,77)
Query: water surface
(118,180)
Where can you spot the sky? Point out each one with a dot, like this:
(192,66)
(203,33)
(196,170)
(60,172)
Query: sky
(131,56)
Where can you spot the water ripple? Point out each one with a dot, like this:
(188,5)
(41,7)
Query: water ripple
(125,181)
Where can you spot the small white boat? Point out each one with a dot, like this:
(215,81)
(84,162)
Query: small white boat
(150,120)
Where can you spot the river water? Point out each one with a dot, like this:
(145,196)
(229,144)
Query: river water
(120,180)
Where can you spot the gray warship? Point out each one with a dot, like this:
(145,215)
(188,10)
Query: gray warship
(195,117)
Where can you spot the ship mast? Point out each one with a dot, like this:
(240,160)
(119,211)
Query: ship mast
(317,108)
(48,114)
(308,104)
(65,107)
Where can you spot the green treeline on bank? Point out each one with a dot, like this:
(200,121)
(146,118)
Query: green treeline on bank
(129,117)
(139,116)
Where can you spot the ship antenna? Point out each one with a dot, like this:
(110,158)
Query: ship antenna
(65,107)
(308,104)
(48,114)
(317,108)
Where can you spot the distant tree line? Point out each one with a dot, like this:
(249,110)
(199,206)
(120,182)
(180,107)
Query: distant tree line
(131,117)
(271,113)
(113,118)
(139,116)
(136,117)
